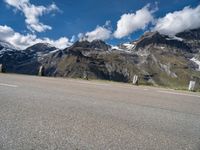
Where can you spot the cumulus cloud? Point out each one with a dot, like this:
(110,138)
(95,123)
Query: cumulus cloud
(22,41)
(32,13)
(178,21)
(131,22)
(99,33)
(61,43)
(6,31)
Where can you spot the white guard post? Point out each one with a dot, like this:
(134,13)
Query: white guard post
(135,80)
(41,71)
(192,86)
(1,68)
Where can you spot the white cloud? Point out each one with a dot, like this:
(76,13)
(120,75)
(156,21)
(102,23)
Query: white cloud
(61,43)
(132,22)
(178,21)
(99,33)
(32,13)
(22,41)
(5,31)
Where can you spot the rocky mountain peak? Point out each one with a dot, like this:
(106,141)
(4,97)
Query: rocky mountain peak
(96,44)
(150,38)
(40,48)
(155,38)
(155,34)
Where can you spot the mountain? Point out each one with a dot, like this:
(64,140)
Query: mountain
(96,44)
(40,49)
(9,55)
(157,59)
(193,39)
(23,61)
(82,57)
(155,38)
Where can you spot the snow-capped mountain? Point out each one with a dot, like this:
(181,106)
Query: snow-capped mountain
(197,62)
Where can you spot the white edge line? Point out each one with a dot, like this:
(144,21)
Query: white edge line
(192,95)
(9,85)
(90,83)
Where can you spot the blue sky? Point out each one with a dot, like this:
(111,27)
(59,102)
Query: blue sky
(80,16)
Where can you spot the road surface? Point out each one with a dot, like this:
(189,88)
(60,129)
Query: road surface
(53,113)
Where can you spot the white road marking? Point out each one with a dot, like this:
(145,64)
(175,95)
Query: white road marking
(91,83)
(184,94)
(9,85)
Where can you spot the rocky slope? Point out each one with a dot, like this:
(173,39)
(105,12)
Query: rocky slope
(157,59)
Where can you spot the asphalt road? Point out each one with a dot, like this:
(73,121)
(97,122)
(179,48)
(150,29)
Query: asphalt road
(50,113)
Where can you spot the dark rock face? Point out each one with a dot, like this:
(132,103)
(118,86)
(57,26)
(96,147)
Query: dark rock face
(190,35)
(192,38)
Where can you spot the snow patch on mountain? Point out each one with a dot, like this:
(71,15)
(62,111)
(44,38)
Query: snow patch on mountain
(175,38)
(54,51)
(118,48)
(125,47)
(197,62)
(129,46)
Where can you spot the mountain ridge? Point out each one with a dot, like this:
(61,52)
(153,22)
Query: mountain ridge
(157,59)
